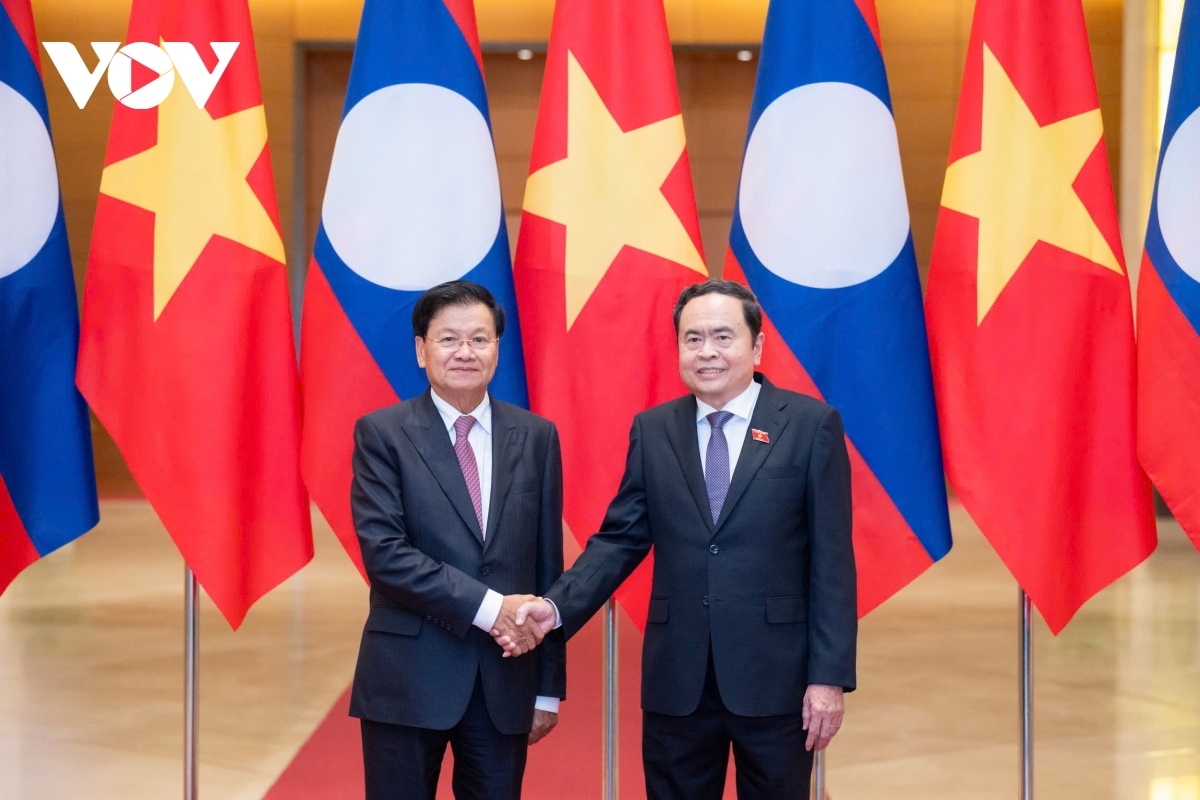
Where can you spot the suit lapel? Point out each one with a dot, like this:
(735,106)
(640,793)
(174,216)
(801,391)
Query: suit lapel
(429,435)
(686,445)
(766,417)
(507,445)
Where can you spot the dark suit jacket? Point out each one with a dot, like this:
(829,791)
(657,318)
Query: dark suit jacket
(429,566)
(771,585)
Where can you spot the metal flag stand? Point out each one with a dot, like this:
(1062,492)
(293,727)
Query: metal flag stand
(609,780)
(1026,697)
(191,629)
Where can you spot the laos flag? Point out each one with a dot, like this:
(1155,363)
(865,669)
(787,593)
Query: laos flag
(47,481)
(1168,336)
(413,200)
(821,234)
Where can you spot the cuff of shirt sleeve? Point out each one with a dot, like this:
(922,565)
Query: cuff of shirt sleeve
(546,704)
(557,616)
(489,611)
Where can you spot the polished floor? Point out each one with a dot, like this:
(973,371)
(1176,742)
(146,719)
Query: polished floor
(91,686)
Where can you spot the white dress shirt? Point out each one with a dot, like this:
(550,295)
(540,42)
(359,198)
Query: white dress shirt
(742,408)
(480,439)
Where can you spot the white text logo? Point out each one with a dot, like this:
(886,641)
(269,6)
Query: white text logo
(164,61)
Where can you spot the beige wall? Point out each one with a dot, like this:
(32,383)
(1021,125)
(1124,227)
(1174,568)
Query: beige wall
(924,43)
(692,21)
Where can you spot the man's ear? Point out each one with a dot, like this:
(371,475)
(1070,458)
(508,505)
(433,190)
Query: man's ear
(758,348)
(419,342)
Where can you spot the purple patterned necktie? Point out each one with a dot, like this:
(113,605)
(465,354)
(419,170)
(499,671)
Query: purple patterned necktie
(470,470)
(716,463)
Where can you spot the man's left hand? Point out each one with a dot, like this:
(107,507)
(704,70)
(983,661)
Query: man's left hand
(824,707)
(543,723)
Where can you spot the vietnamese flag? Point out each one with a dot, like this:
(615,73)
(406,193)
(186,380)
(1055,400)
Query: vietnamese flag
(1029,314)
(609,238)
(187,353)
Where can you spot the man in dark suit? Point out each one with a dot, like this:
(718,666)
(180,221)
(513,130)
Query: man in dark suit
(743,490)
(457,500)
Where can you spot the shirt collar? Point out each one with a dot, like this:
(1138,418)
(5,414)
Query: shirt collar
(450,414)
(741,406)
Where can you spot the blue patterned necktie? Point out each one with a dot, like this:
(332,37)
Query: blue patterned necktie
(716,463)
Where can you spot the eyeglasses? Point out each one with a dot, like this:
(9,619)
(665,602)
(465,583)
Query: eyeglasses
(479,344)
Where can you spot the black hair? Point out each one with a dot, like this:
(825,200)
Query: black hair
(454,293)
(751,310)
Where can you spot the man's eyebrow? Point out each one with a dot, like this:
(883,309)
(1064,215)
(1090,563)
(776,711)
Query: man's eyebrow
(481,330)
(717,329)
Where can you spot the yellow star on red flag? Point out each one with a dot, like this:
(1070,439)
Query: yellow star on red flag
(608,191)
(194,180)
(1020,185)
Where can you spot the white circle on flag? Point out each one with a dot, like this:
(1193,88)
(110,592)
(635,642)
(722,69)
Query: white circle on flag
(413,197)
(822,194)
(28,182)
(1179,196)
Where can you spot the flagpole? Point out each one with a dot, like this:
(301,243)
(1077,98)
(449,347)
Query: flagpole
(819,780)
(609,780)
(191,626)
(1026,696)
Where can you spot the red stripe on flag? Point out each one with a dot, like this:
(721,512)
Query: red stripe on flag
(21,14)
(867,7)
(1169,399)
(341,383)
(887,553)
(16,550)
(463,12)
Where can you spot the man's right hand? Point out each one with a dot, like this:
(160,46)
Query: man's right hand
(517,638)
(534,612)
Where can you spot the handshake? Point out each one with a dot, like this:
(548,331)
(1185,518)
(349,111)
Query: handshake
(523,621)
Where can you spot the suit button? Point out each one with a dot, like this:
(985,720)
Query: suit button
(428,617)
(485,570)
(705,601)
(714,549)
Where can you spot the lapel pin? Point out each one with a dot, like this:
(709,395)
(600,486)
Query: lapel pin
(760,436)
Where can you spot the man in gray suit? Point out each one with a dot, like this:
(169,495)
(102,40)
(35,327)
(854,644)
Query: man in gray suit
(457,500)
